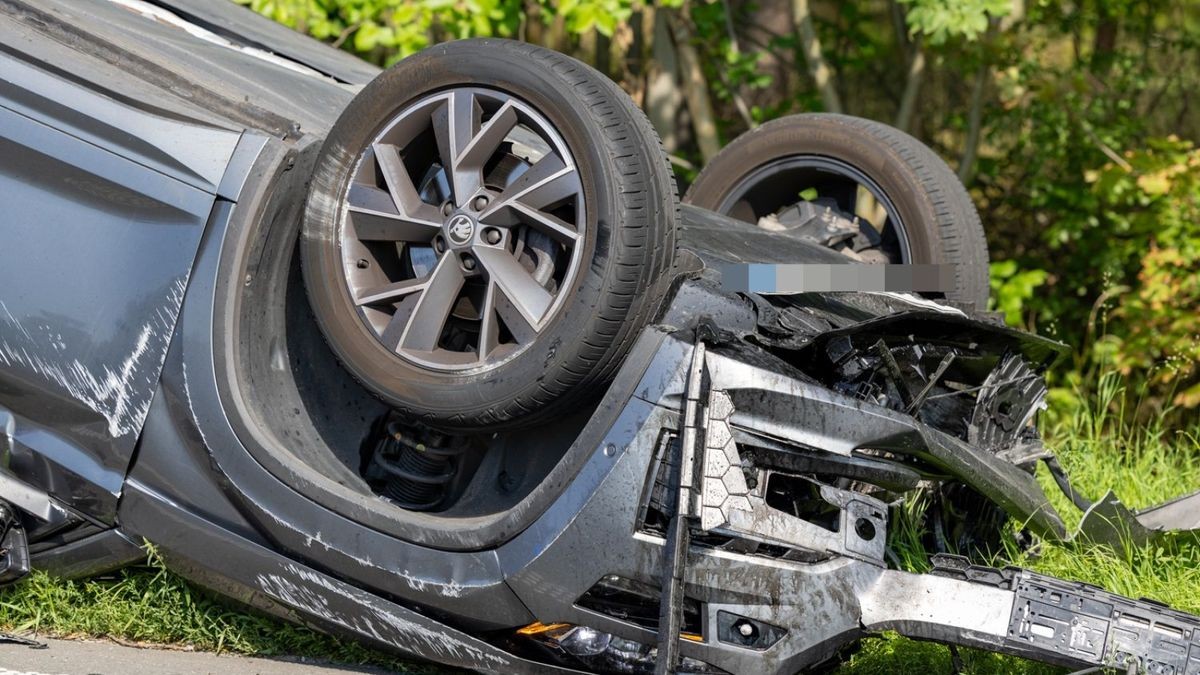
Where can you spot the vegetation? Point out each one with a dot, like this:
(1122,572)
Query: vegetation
(150,605)
(1072,123)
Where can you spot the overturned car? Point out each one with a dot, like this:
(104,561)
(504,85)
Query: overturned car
(434,358)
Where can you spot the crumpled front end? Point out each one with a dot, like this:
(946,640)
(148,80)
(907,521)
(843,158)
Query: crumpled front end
(760,540)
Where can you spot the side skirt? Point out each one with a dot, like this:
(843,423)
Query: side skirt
(240,569)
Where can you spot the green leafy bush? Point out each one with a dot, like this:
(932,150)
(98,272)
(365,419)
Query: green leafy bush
(1013,288)
(1153,199)
(385,31)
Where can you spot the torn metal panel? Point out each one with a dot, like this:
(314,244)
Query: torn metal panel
(39,461)
(1110,522)
(1182,513)
(1076,624)
(14,546)
(99,553)
(30,500)
(879,315)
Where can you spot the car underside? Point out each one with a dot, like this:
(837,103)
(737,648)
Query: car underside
(719,501)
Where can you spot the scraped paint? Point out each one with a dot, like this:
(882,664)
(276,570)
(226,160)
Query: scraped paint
(120,393)
(309,591)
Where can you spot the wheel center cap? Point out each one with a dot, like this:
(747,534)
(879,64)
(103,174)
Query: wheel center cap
(460,228)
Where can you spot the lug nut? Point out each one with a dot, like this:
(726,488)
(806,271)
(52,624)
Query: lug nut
(447,208)
(468,263)
(438,244)
(480,203)
(491,235)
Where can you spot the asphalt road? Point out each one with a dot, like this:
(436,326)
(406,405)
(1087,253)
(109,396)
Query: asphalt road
(70,657)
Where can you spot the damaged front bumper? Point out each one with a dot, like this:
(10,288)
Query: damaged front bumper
(766,501)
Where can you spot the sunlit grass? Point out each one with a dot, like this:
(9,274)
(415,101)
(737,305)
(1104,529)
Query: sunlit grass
(151,605)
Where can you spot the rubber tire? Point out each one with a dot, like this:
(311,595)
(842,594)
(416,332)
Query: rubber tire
(940,219)
(632,212)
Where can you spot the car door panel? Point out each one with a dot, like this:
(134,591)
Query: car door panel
(98,233)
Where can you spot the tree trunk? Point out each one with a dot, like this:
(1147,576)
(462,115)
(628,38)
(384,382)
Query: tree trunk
(810,44)
(585,48)
(735,50)
(620,47)
(1104,42)
(556,37)
(602,54)
(534,28)
(899,26)
(695,87)
(912,88)
(966,165)
(766,21)
(663,98)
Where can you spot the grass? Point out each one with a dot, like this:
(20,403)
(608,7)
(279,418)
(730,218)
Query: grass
(1099,446)
(150,605)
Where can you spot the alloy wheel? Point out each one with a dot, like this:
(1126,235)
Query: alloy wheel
(464,229)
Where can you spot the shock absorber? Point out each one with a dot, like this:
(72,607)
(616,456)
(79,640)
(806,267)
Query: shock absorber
(417,466)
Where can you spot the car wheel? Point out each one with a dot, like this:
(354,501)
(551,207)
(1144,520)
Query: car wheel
(885,196)
(488,228)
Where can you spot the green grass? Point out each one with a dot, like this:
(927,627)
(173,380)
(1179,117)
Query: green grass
(1100,449)
(151,605)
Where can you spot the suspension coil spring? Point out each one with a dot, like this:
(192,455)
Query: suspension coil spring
(419,465)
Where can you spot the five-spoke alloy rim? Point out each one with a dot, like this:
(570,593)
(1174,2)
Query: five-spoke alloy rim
(463,229)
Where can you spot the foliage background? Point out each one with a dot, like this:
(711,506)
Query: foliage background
(1072,123)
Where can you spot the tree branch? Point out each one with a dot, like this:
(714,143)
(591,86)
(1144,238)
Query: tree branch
(662,98)
(810,44)
(966,165)
(738,101)
(695,87)
(912,87)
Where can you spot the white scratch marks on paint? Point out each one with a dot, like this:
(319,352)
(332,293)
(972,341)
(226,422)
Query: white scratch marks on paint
(308,591)
(121,393)
(13,320)
(453,589)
